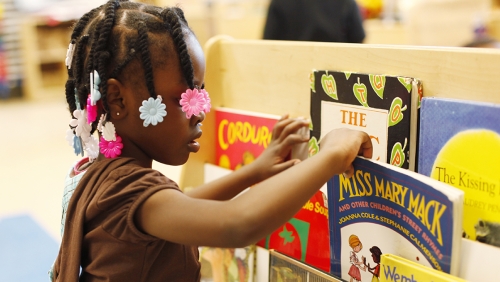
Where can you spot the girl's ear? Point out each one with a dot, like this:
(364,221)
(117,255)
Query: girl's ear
(115,99)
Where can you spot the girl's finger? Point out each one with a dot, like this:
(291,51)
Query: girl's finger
(280,126)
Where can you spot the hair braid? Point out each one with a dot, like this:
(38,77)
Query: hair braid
(78,70)
(70,95)
(146,58)
(82,23)
(123,64)
(72,82)
(173,19)
(100,54)
(90,57)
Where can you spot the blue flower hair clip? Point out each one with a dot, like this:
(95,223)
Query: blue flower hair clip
(152,111)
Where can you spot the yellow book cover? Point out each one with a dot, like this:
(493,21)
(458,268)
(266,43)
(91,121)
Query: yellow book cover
(460,145)
(398,269)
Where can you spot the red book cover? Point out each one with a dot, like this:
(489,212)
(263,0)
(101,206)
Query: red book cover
(305,237)
(241,137)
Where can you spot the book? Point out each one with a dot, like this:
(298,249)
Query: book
(460,145)
(304,237)
(241,136)
(226,264)
(387,209)
(284,268)
(395,269)
(384,106)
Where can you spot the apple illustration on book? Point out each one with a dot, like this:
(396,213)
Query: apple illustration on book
(406,81)
(329,86)
(313,146)
(360,92)
(313,82)
(291,239)
(398,155)
(396,111)
(378,84)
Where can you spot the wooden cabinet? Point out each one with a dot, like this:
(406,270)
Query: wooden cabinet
(44,46)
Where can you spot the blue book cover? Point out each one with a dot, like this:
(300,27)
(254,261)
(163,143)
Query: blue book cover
(387,209)
(460,145)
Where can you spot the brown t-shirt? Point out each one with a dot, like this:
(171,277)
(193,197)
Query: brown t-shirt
(101,236)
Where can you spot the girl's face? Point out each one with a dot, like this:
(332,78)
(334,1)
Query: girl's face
(171,141)
(375,258)
(357,248)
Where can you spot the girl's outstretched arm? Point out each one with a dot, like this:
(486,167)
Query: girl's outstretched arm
(175,217)
(269,163)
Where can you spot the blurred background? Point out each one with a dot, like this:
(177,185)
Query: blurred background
(34,36)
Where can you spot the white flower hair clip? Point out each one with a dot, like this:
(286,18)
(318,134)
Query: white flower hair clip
(78,136)
(69,55)
(152,111)
(80,124)
(95,80)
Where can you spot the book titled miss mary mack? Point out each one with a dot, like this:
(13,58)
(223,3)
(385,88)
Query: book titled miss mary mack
(386,209)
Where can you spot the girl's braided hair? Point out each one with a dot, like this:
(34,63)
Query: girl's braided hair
(120,35)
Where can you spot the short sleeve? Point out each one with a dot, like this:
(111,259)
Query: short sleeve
(116,203)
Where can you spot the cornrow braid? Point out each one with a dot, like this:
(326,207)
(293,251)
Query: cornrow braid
(146,58)
(173,19)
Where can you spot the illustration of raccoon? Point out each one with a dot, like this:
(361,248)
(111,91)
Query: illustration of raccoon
(488,232)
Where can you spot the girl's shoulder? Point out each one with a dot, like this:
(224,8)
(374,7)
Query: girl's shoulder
(126,170)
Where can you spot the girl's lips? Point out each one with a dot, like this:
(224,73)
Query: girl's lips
(193,145)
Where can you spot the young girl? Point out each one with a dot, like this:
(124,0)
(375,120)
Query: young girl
(356,263)
(136,75)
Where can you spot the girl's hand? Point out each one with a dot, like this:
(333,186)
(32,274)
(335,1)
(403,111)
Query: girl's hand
(284,137)
(344,145)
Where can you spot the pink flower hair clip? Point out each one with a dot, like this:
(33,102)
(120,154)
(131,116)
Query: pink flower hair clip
(110,143)
(111,149)
(195,101)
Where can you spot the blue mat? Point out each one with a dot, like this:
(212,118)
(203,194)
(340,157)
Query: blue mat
(26,250)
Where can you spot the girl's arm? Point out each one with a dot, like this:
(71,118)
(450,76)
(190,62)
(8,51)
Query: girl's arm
(269,163)
(175,217)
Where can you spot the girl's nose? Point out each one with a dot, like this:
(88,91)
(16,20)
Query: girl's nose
(200,117)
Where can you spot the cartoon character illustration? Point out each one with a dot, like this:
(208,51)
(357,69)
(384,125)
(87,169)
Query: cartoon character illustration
(226,264)
(488,232)
(376,253)
(356,264)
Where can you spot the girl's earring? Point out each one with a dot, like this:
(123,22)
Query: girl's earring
(118,113)
(110,143)
(152,111)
